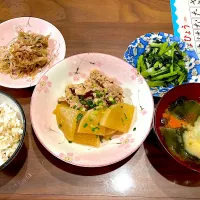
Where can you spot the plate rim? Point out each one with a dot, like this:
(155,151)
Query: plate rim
(98,165)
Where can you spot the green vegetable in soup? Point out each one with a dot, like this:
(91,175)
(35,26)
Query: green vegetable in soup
(175,143)
(183,139)
(188,111)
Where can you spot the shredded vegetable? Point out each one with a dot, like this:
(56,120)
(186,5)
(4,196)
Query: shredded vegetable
(25,56)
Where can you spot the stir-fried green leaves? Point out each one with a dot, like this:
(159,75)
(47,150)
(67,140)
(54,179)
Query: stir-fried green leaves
(163,64)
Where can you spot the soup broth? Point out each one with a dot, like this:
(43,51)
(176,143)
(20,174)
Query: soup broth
(181,129)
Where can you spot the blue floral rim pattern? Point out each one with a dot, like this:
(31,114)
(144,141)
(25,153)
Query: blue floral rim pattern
(141,44)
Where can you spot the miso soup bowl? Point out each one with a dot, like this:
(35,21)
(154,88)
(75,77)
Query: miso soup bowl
(192,92)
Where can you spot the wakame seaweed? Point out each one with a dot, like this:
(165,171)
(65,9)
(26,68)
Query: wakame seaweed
(188,111)
(174,141)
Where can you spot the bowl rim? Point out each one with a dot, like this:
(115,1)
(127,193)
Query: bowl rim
(23,134)
(183,163)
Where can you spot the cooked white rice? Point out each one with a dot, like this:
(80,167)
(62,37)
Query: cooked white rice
(10,132)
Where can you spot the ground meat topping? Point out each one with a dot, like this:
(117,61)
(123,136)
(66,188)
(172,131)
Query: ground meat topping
(97,90)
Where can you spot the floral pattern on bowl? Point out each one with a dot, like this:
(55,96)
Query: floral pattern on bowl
(52,86)
(141,44)
(57,48)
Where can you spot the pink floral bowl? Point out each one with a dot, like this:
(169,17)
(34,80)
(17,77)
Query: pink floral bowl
(56,46)
(74,70)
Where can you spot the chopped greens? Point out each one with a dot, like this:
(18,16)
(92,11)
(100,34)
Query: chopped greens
(99,94)
(59,125)
(99,103)
(112,100)
(163,64)
(79,117)
(94,129)
(83,102)
(90,104)
(85,125)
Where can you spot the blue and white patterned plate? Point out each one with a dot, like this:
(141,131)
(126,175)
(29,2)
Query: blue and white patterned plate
(141,44)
